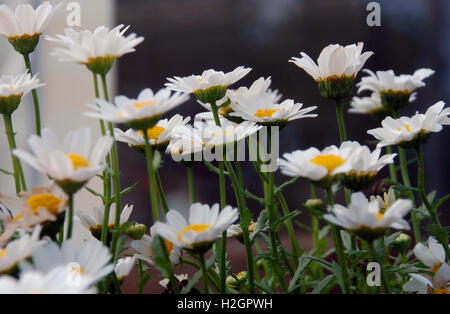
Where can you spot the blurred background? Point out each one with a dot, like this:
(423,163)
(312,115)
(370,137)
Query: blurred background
(186,37)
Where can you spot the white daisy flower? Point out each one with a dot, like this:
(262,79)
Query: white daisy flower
(314,164)
(159,135)
(58,281)
(88,261)
(366,105)
(432,255)
(40,205)
(204,225)
(262,109)
(144,250)
(25,21)
(405,130)
(387,81)
(235,231)
(124,266)
(187,145)
(362,159)
(365,217)
(438,284)
(165,282)
(98,49)
(73,160)
(335,61)
(209,78)
(94,221)
(18,250)
(141,113)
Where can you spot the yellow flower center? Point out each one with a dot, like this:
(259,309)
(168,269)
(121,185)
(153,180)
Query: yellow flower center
(44,200)
(3,253)
(169,246)
(154,133)
(380,216)
(252,227)
(196,228)
(407,128)
(330,162)
(74,267)
(225,110)
(17,217)
(441,291)
(436,268)
(139,105)
(78,161)
(261,113)
(11,87)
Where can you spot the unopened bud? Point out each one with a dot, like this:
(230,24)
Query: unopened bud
(315,203)
(136,231)
(402,242)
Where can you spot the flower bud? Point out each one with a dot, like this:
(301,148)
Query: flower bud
(136,231)
(402,242)
(315,203)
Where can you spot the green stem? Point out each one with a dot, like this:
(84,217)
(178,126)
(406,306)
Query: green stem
(37,113)
(7,119)
(384,277)
(201,259)
(432,210)
(338,243)
(151,177)
(115,177)
(407,182)
(190,175)
(392,170)
(70,218)
(162,195)
(340,120)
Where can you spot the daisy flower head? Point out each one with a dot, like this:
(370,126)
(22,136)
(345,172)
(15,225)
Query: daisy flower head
(411,132)
(13,87)
(432,255)
(208,87)
(438,284)
(365,218)
(321,167)
(70,163)
(43,205)
(263,109)
(187,145)
(98,50)
(141,113)
(387,200)
(197,233)
(370,106)
(181,278)
(396,91)
(89,261)
(58,281)
(144,250)
(365,164)
(235,231)
(94,221)
(124,266)
(24,26)
(336,68)
(159,135)
(19,250)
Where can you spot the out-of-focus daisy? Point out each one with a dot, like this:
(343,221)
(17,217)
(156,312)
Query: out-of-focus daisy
(71,163)
(159,135)
(24,26)
(204,225)
(88,261)
(432,255)
(42,205)
(94,221)
(364,164)
(18,250)
(262,109)
(395,91)
(187,146)
(144,250)
(180,278)
(13,87)
(438,284)
(208,87)
(141,113)
(369,105)
(59,280)
(410,132)
(97,50)
(336,68)
(365,218)
(124,266)
(235,231)
(322,167)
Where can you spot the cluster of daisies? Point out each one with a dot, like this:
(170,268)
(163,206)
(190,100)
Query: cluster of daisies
(40,253)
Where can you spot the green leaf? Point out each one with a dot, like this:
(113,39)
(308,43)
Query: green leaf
(260,225)
(129,189)
(388,241)
(440,201)
(264,286)
(403,188)
(323,284)
(252,196)
(347,240)
(213,168)
(337,271)
(93,192)
(324,263)
(161,259)
(303,263)
(6,172)
(440,233)
(285,184)
(291,215)
(197,276)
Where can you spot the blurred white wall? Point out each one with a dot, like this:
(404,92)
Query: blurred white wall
(69,87)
